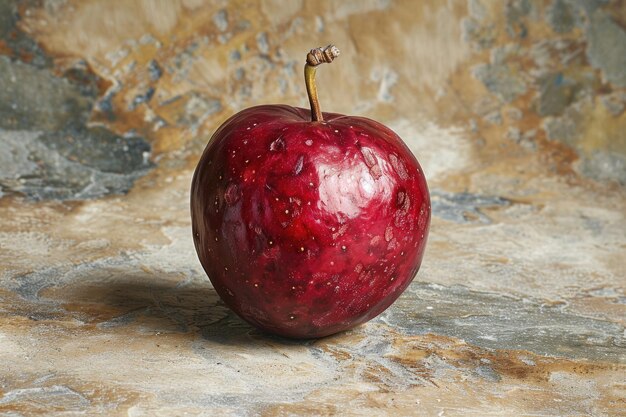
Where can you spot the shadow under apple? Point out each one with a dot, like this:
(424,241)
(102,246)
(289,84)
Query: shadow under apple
(109,296)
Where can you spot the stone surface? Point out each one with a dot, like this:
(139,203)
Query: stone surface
(49,152)
(561,16)
(515,110)
(500,80)
(607,48)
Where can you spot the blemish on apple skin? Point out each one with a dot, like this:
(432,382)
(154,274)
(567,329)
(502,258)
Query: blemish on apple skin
(398,166)
(231,196)
(299,165)
(375,240)
(400,198)
(388,233)
(277,145)
(371,162)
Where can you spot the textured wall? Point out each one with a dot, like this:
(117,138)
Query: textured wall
(516,110)
(528,79)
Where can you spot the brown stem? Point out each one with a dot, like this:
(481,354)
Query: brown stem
(314,58)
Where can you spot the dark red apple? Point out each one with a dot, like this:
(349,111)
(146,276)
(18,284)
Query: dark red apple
(307,223)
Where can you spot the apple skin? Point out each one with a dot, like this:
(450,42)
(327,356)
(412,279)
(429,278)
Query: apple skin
(308,228)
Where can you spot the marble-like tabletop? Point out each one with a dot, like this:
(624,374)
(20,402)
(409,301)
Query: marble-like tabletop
(515,110)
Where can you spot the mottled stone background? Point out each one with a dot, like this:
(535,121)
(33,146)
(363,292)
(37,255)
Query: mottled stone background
(516,110)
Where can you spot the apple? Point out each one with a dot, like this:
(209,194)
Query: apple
(308,223)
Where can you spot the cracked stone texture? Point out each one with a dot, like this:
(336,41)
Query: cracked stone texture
(515,110)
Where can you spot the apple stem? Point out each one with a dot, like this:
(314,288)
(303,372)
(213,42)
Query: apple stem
(314,58)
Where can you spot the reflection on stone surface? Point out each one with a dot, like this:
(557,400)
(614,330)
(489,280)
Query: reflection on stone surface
(515,110)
